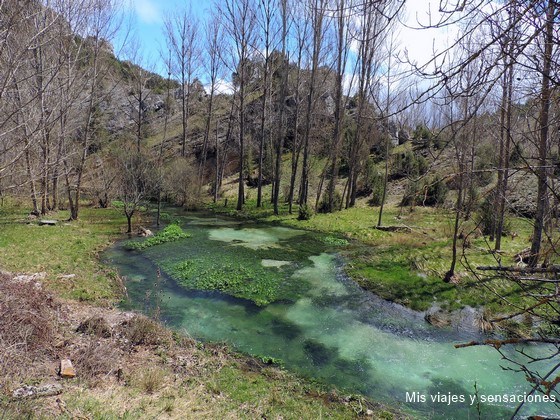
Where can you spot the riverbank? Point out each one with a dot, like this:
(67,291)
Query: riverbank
(127,365)
(407,264)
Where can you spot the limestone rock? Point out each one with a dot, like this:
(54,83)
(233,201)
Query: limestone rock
(30,391)
(66,369)
(24,278)
(143,232)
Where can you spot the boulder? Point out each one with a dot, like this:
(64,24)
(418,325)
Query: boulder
(66,369)
(143,232)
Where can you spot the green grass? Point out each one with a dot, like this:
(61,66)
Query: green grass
(232,388)
(170,233)
(68,253)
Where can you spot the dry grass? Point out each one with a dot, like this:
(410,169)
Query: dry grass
(97,326)
(28,327)
(141,330)
(96,359)
(150,380)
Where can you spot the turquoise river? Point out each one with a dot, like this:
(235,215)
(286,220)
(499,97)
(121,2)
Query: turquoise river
(319,323)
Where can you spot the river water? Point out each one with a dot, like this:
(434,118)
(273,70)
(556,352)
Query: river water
(322,325)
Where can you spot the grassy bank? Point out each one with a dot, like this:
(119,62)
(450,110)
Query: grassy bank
(407,266)
(127,366)
(67,253)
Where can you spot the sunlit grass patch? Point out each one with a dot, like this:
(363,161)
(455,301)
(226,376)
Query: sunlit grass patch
(67,253)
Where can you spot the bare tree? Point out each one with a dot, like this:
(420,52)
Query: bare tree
(240,22)
(213,66)
(552,10)
(134,181)
(302,29)
(343,8)
(317,11)
(281,129)
(181,31)
(266,15)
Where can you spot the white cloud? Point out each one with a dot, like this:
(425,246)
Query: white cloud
(146,11)
(222,86)
(419,42)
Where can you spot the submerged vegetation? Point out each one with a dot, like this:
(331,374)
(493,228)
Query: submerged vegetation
(259,284)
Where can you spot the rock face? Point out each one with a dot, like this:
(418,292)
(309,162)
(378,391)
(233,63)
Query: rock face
(66,369)
(30,391)
(143,232)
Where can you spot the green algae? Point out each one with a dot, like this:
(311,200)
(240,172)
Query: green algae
(262,264)
(259,284)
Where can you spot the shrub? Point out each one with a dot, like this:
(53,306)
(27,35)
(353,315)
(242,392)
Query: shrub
(95,359)
(96,325)
(409,165)
(427,192)
(516,155)
(324,206)
(488,219)
(372,184)
(142,330)
(28,323)
(150,380)
(305,212)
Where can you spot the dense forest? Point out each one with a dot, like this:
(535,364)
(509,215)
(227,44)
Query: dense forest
(303,107)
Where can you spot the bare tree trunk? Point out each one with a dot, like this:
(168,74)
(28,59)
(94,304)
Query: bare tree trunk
(505,145)
(217,167)
(281,106)
(317,22)
(339,108)
(542,193)
(296,143)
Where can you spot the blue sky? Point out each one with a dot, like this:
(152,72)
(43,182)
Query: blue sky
(146,20)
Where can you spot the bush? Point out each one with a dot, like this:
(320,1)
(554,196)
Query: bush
(28,325)
(324,206)
(488,219)
(150,380)
(427,192)
(409,165)
(305,212)
(95,359)
(142,330)
(484,166)
(372,184)
(96,325)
